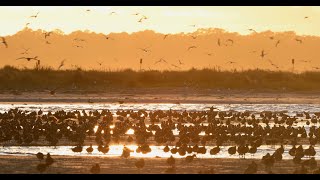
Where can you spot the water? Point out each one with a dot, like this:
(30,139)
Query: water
(116,150)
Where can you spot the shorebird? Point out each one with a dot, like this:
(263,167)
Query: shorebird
(298,40)
(88,10)
(191,47)
(273,64)
(194,37)
(252,30)
(46,34)
(4,42)
(25,51)
(175,66)
(219,43)
(262,54)
(230,40)
(35,16)
(29,58)
(61,64)
(161,60)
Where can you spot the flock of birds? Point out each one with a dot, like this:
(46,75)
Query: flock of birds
(244,132)
(142,18)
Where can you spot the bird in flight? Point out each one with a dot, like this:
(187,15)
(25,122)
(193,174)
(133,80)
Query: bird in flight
(263,54)
(193,25)
(29,58)
(61,63)
(4,42)
(107,37)
(25,51)
(143,17)
(305,61)
(112,13)
(175,66)
(100,63)
(298,40)
(136,14)
(277,43)
(77,39)
(194,37)
(252,30)
(230,40)
(191,47)
(306,17)
(209,54)
(165,36)
(27,24)
(219,43)
(78,46)
(231,62)
(273,64)
(46,34)
(145,49)
(180,62)
(161,60)
(35,16)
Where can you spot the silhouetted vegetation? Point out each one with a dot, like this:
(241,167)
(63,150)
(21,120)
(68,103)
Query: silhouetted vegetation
(41,79)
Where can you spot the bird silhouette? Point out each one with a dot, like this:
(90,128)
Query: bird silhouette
(298,40)
(180,62)
(25,51)
(161,60)
(145,49)
(262,54)
(219,43)
(78,46)
(27,24)
(231,62)
(165,36)
(230,40)
(29,58)
(175,66)
(107,37)
(277,43)
(78,39)
(252,30)
(191,47)
(4,42)
(61,63)
(136,14)
(306,17)
(46,34)
(100,63)
(112,13)
(35,16)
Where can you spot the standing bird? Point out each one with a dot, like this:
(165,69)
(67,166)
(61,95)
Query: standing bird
(35,16)
(4,42)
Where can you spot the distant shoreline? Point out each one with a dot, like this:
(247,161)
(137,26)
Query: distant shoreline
(160,95)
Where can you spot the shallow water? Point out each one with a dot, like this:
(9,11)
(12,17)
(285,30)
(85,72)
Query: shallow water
(116,150)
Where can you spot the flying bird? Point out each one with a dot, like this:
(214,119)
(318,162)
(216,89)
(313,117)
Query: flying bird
(209,54)
(107,37)
(252,30)
(29,58)
(61,63)
(161,60)
(25,51)
(194,37)
(165,36)
(191,47)
(262,54)
(78,46)
(27,24)
(35,16)
(77,39)
(277,43)
(136,14)
(88,10)
(230,40)
(46,34)
(193,25)
(273,64)
(219,43)
(4,42)
(175,66)
(180,62)
(231,62)
(306,17)
(305,61)
(100,63)
(298,40)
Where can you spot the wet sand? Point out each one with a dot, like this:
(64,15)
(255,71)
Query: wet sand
(167,96)
(118,165)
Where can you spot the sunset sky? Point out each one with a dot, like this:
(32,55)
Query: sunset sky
(163,19)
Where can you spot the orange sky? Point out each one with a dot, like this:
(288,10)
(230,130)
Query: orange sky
(123,50)
(170,19)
